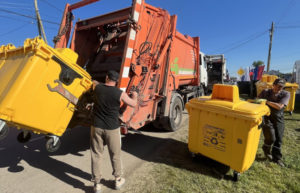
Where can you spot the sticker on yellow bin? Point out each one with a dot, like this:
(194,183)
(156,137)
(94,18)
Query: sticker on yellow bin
(214,137)
(225,128)
(40,86)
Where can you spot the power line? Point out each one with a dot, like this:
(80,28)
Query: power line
(245,42)
(14,30)
(6,17)
(10,3)
(27,16)
(51,16)
(288,26)
(237,43)
(284,14)
(14,7)
(51,5)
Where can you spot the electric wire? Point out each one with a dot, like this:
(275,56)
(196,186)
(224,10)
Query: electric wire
(240,43)
(285,12)
(27,16)
(12,18)
(53,6)
(14,7)
(245,42)
(10,3)
(14,30)
(288,26)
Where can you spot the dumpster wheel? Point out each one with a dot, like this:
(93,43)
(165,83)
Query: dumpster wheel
(236,176)
(24,137)
(53,144)
(4,130)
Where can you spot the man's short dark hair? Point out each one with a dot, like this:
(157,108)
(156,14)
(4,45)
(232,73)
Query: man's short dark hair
(280,82)
(113,75)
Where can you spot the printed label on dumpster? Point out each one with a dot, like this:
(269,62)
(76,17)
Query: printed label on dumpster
(214,137)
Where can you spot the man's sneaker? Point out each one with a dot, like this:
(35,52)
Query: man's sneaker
(269,156)
(279,162)
(97,188)
(119,182)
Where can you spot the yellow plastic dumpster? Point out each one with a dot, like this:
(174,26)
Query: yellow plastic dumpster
(40,86)
(267,83)
(224,128)
(292,88)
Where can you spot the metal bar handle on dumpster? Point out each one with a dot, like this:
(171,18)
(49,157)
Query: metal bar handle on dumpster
(64,92)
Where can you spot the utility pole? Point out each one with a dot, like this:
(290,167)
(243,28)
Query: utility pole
(270,46)
(39,22)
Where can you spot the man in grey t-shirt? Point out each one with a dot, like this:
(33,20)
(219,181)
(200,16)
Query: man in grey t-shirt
(273,125)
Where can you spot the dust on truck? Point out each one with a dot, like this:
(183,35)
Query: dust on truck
(142,44)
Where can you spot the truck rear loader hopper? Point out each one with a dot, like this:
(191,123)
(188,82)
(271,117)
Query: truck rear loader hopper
(142,44)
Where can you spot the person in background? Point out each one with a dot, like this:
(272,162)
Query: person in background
(105,129)
(273,125)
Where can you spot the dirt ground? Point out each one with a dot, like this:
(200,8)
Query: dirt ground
(29,168)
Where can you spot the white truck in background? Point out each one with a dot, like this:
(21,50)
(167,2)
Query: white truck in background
(203,71)
(212,70)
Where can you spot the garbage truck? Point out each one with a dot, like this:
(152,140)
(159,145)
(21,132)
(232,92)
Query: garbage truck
(142,44)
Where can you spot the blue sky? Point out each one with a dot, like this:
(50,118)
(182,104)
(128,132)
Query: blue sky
(237,28)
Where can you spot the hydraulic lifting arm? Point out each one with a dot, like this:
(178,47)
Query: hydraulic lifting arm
(63,36)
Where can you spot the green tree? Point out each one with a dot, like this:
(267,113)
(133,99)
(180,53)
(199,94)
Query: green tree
(257,63)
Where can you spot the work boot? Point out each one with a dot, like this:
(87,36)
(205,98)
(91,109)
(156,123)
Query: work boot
(119,182)
(97,188)
(279,162)
(267,152)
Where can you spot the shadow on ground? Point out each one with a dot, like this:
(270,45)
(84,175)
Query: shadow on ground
(168,151)
(174,153)
(35,154)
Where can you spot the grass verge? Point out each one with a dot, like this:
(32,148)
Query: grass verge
(173,170)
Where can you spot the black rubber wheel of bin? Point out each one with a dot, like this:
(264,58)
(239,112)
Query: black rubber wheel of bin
(4,132)
(236,176)
(23,139)
(50,147)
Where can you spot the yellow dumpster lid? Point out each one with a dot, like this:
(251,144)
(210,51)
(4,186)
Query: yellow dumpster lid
(68,56)
(293,85)
(241,109)
(225,100)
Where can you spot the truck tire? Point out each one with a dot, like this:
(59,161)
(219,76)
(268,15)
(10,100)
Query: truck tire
(175,114)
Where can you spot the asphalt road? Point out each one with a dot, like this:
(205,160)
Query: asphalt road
(29,168)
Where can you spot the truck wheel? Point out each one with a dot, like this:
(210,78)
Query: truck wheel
(175,115)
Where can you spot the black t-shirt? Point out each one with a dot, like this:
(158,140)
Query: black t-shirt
(106,106)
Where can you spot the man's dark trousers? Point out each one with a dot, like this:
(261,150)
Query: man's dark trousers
(273,129)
